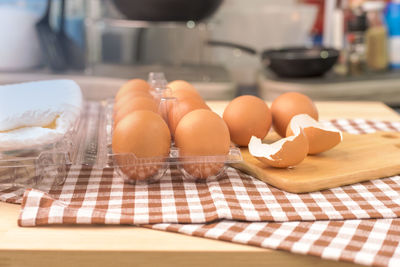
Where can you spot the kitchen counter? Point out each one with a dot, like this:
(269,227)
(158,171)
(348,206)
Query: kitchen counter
(382,87)
(123,245)
(99,85)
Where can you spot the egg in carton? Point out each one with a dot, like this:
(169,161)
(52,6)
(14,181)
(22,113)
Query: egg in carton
(192,139)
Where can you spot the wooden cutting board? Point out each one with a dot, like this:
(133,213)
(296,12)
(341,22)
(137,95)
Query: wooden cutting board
(357,158)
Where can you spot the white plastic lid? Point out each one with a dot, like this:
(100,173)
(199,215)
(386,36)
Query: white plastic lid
(373,5)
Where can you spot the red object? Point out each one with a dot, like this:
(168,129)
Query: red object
(318,27)
(350,37)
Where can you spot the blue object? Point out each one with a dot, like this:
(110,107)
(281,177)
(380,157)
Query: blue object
(75,29)
(392,18)
(36,6)
(317,39)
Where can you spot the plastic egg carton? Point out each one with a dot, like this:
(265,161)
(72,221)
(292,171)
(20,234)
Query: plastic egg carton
(39,167)
(195,168)
(89,143)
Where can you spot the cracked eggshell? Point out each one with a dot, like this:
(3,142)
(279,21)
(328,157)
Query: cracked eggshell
(287,105)
(284,153)
(320,138)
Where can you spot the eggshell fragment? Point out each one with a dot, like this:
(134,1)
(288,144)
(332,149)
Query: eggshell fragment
(287,105)
(320,138)
(286,152)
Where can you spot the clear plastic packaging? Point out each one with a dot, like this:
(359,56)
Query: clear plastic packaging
(89,142)
(29,167)
(195,168)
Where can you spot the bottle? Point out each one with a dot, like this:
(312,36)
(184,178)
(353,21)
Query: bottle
(355,42)
(393,24)
(376,36)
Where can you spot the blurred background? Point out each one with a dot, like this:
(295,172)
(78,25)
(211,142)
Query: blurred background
(327,49)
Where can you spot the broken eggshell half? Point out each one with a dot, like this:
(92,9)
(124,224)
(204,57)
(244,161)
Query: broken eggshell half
(284,153)
(320,138)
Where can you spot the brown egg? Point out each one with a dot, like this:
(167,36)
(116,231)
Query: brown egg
(145,135)
(284,153)
(178,109)
(186,99)
(182,94)
(320,138)
(180,84)
(202,133)
(287,105)
(127,98)
(132,85)
(136,103)
(247,116)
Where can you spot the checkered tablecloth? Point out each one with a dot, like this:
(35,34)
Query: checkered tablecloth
(368,242)
(97,196)
(356,223)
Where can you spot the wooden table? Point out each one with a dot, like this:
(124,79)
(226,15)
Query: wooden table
(127,245)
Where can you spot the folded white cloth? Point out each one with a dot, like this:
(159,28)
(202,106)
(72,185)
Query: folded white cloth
(37,113)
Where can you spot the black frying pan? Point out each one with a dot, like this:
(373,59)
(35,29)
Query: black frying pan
(293,62)
(167,10)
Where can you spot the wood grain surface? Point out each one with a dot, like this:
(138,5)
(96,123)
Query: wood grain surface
(357,158)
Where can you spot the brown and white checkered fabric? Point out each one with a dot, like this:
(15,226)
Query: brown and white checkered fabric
(96,196)
(326,223)
(368,242)
(11,195)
